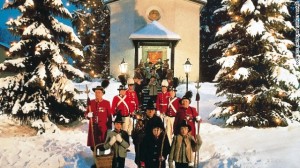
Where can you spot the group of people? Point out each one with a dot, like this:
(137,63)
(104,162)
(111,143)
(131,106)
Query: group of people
(151,75)
(166,131)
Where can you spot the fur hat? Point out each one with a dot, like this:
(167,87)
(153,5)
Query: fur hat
(122,79)
(188,95)
(158,124)
(130,81)
(185,124)
(164,83)
(118,119)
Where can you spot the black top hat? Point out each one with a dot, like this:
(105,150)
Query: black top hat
(171,88)
(118,119)
(185,124)
(122,87)
(99,88)
(150,105)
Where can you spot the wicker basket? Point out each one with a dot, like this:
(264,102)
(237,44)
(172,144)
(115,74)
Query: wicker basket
(103,161)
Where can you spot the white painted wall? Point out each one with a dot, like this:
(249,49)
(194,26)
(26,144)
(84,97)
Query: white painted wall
(179,16)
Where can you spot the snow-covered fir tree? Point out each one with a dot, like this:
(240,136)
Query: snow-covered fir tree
(92,23)
(42,84)
(211,19)
(258,74)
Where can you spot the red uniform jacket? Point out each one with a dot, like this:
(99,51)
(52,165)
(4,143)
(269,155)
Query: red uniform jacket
(173,106)
(133,102)
(162,102)
(120,104)
(101,120)
(188,114)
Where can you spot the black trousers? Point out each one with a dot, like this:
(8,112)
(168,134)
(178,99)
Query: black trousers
(118,162)
(181,165)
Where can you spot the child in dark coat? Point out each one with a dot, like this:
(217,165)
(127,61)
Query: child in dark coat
(155,147)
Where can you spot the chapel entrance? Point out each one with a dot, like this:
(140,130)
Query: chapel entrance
(154,42)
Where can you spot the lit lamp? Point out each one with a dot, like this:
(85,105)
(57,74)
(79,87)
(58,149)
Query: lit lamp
(187,69)
(123,67)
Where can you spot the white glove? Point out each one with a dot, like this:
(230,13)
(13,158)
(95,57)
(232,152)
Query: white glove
(112,140)
(119,138)
(198,118)
(158,113)
(90,114)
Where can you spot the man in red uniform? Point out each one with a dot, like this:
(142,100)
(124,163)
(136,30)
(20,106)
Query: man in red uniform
(133,102)
(173,106)
(120,104)
(188,113)
(99,112)
(162,99)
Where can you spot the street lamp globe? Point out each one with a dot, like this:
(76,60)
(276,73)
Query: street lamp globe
(123,67)
(187,66)
(187,69)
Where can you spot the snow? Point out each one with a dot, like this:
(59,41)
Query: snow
(29,3)
(242,73)
(284,10)
(37,30)
(227,28)
(154,30)
(60,27)
(247,7)
(228,62)
(281,74)
(18,62)
(255,27)
(222,147)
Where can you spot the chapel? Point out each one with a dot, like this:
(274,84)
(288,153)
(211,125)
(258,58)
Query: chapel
(153,30)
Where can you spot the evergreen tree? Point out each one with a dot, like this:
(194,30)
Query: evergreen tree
(258,74)
(92,23)
(42,84)
(213,16)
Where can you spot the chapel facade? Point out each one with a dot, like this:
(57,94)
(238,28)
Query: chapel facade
(142,30)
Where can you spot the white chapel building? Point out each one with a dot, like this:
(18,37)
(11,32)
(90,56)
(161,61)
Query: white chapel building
(155,29)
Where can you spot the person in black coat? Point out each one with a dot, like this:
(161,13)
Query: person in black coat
(155,147)
(151,118)
(142,128)
(137,135)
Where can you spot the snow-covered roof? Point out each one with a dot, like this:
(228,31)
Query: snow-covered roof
(4,45)
(154,31)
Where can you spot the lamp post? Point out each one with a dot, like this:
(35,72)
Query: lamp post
(123,67)
(187,69)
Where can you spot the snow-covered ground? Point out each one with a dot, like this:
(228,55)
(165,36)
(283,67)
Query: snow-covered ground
(222,147)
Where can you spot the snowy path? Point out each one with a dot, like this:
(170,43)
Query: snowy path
(222,147)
